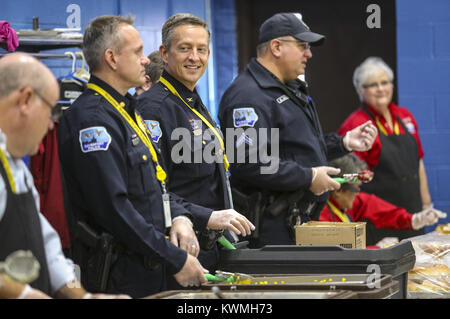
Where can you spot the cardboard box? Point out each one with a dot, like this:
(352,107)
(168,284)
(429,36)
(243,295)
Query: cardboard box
(347,235)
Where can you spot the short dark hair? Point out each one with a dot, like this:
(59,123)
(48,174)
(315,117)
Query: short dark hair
(101,34)
(177,20)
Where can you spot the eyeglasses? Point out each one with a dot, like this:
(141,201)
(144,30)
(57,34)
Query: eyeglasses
(376,85)
(55,110)
(303,45)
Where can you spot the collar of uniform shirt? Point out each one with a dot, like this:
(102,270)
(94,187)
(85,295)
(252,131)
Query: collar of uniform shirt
(191,97)
(128,99)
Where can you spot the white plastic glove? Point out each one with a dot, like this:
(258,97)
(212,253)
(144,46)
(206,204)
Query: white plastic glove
(361,138)
(426,217)
(322,182)
(387,241)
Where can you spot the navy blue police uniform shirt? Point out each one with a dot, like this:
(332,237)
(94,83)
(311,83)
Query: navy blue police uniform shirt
(192,177)
(111,178)
(257,99)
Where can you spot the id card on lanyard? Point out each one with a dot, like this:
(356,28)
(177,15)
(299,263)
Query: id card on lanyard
(141,130)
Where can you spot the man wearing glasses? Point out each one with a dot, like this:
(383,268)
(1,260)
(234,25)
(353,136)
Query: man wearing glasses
(268,96)
(28,93)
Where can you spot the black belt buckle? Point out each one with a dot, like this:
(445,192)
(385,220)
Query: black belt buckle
(309,208)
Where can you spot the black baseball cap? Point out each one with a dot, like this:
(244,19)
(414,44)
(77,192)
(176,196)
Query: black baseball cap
(283,24)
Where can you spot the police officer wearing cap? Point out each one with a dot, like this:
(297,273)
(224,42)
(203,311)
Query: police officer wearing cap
(115,181)
(268,97)
(184,131)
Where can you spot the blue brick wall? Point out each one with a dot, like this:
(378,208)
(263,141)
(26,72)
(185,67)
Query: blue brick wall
(423,62)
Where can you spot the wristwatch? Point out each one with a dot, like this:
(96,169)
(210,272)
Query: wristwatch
(21,266)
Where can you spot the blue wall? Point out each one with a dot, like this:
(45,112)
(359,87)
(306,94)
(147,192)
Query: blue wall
(423,62)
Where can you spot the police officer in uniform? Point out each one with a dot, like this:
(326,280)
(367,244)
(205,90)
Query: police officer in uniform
(115,181)
(268,98)
(28,94)
(173,107)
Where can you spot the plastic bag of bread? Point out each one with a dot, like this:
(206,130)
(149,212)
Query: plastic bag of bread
(430,277)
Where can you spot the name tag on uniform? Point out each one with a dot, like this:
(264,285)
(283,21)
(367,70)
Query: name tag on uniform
(244,117)
(94,138)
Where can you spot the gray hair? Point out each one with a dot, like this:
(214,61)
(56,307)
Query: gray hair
(370,67)
(17,75)
(101,34)
(156,66)
(177,20)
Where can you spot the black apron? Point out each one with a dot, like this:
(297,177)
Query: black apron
(20,229)
(396,180)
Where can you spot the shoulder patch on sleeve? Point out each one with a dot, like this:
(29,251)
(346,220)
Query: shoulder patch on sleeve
(94,138)
(155,129)
(244,117)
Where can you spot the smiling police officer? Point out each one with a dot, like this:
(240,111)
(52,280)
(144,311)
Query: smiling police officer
(268,96)
(116,183)
(173,107)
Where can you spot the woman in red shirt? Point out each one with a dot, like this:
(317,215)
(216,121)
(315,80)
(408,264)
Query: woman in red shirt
(396,155)
(349,204)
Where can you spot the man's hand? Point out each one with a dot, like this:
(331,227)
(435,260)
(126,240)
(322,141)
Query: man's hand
(192,273)
(231,220)
(361,138)
(322,182)
(182,235)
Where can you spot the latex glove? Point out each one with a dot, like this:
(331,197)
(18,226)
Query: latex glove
(361,138)
(387,241)
(426,217)
(321,182)
(182,235)
(232,220)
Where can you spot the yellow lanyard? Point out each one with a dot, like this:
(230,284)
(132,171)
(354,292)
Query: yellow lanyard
(140,130)
(8,171)
(204,120)
(383,130)
(342,216)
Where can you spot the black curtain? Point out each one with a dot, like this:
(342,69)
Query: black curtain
(348,42)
